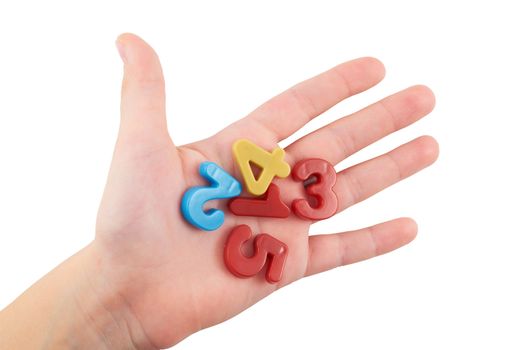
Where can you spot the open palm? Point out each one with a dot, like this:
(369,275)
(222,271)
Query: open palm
(172,275)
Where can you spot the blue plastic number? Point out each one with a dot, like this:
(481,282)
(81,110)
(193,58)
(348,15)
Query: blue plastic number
(222,186)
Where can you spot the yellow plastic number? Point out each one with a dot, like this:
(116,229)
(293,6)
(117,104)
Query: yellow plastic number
(272,164)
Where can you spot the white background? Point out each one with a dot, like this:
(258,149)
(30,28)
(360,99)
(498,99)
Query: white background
(461,284)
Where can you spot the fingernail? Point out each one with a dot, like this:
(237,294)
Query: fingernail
(121,50)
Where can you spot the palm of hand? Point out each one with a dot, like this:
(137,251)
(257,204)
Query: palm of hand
(171,274)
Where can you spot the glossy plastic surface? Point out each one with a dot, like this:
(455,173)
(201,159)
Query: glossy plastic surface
(270,206)
(321,189)
(272,164)
(222,186)
(264,246)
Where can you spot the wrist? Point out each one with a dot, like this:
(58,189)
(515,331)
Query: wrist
(72,307)
(103,310)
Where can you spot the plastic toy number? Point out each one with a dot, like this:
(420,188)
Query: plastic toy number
(223,185)
(264,246)
(270,206)
(317,176)
(272,164)
(321,189)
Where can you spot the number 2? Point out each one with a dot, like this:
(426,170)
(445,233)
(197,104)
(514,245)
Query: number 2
(321,189)
(222,186)
(264,246)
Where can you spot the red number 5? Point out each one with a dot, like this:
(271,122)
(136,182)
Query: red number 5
(321,189)
(264,246)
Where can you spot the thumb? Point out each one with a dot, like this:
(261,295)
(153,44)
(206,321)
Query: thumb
(143,120)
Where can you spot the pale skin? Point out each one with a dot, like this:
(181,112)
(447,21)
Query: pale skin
(149,279)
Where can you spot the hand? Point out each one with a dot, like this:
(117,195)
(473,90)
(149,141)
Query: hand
(149,279)
(172,275)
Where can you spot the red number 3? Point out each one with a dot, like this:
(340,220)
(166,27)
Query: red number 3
(321,189)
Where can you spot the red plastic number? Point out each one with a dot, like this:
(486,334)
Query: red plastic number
(270,206)
(321,189)
(264,246)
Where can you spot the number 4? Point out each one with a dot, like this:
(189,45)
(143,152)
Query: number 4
(272,164)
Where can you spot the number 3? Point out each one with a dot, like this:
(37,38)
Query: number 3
(322,189)
(222,186)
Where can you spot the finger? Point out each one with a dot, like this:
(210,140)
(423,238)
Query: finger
(333,250)
(143,120)
(286,113)
(363,180)
(354,132)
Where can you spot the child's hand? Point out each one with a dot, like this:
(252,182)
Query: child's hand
(150,279)
(172,275)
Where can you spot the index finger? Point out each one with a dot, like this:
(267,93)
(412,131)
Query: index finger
(289,111)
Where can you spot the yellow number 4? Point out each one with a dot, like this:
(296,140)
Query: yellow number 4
(272,164)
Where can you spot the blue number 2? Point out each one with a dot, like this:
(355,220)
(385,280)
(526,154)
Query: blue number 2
(222,186)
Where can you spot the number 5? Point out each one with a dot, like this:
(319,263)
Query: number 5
(264,246)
